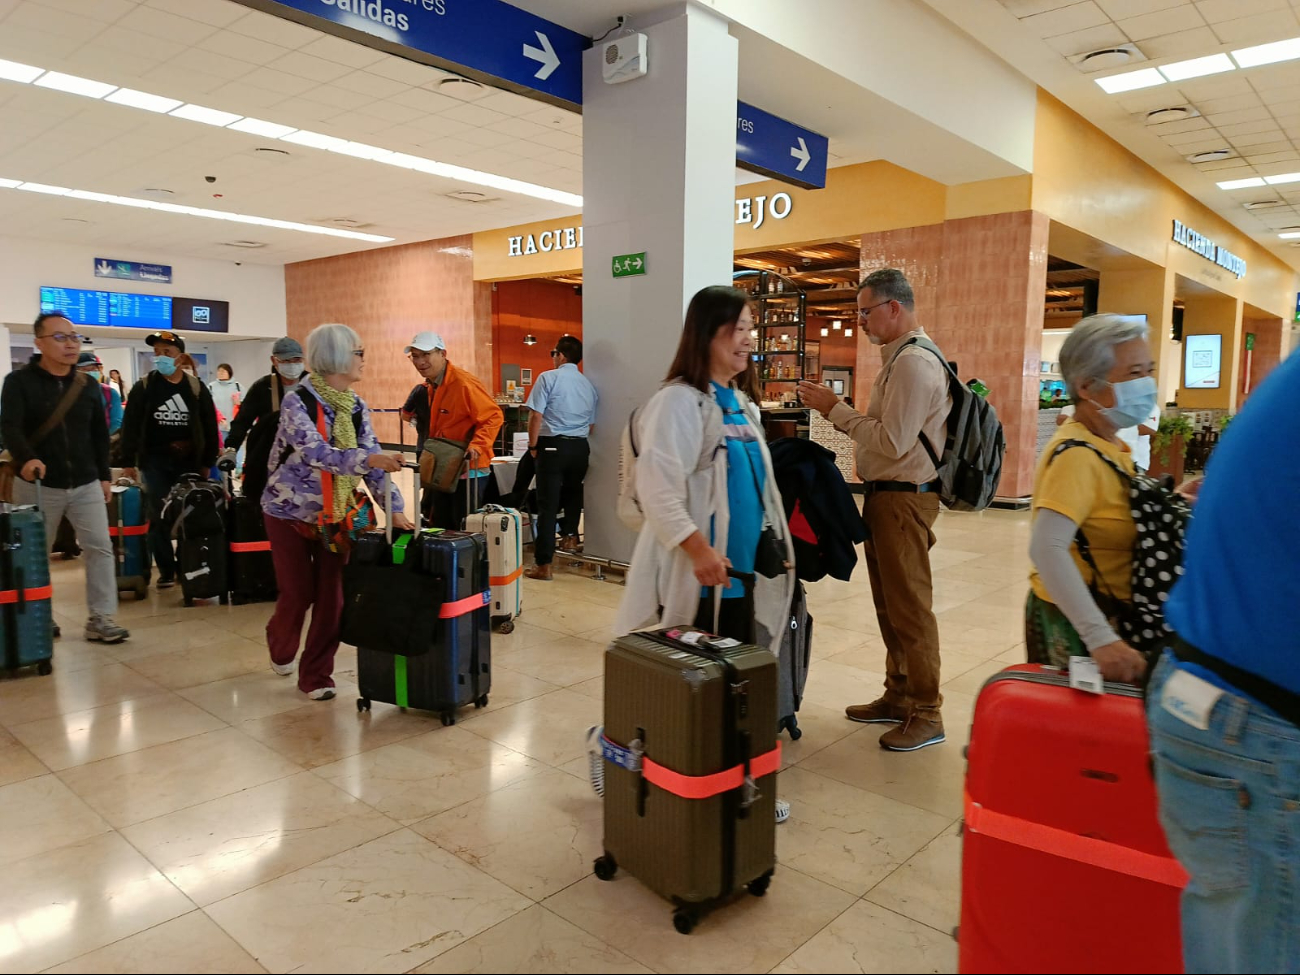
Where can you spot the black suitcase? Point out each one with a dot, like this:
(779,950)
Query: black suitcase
(200,527)
(252,570)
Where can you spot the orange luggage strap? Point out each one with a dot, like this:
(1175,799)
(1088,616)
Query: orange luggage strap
(689,786)
(115,532)
(26,595)
(506,580)
(460,607)
(1088,850)
(242,547)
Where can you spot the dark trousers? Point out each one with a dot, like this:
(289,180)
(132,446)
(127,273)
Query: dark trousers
(561,468)
(310,577)
(159,477)
(448,511)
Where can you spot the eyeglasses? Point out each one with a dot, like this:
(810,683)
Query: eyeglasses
(554,353)
(359,353)
(865,313)
(64,337)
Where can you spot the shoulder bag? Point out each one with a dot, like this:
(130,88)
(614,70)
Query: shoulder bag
(8,469)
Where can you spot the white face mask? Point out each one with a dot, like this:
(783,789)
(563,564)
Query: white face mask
(289,370)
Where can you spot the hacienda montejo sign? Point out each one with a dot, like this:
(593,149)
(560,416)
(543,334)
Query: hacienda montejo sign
(754,211)
(1208,249)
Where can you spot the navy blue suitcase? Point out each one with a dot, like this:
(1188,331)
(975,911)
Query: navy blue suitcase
(26,619)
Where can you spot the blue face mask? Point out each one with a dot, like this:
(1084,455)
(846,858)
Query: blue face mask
(165,364)
(1135,401)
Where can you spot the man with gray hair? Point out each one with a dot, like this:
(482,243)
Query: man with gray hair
(897,442)
(259,415)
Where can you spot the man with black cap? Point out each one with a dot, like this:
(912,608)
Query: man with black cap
(170,429)
(259,415)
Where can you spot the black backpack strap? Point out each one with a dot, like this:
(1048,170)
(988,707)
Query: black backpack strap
(309,404)
(1080,539)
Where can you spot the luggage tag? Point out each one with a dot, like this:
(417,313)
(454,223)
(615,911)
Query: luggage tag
(1085,675)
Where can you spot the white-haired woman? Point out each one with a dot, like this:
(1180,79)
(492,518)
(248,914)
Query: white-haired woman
(325,439)
(1083,533)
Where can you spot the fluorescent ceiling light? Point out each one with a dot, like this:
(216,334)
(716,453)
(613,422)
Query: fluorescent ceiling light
(142,99)
(1291,236)
(1282,178)
(1240,184)
(1197,67)
(74,85)
(16,71)
(316,140)
(1131,81)
(256,126)
(362,151)
(1249,57)
(139,204)
(210,116)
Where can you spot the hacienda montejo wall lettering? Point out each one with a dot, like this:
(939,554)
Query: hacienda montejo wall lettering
(1208,249)
(753,211)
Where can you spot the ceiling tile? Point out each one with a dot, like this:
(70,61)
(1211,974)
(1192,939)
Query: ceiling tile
(1185,43)
(1261,142)
(1232,103)
(520,128)
(1216,86)
(1276,76)
(243,48)
(278,81)
(424,101)
(473,114)
(1215,11)
(1258,29)
(340,97)
(173,77)
(66,23)
(1169,21)
(218,64)
(508,103)
(1089,39)
(344,52)
(308,66)
(394,112)
(275,30)
(1064,20)
(1165,129)
(216,14)
(104,11)
(1220,119)
(1133,8)
(407,72)
(1246,128)
(41,47)
(1189,142)
(371,84)
(1027,8)
(159,23)
(560,140)
(1265,158)
(1149,99)
(487,138)
(1218,166)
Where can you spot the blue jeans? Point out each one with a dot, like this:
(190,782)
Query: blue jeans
(1230,807)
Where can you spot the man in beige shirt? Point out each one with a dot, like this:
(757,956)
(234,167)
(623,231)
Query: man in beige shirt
(909,405)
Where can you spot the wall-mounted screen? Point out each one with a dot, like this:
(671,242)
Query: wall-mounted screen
(152,312)
(200,315)
(1203,361)
(79,306)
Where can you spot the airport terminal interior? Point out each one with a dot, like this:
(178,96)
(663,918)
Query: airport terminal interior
(509,175)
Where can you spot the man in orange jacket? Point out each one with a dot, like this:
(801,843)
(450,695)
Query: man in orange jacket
(453,404)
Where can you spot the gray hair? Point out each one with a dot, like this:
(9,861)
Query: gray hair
(330,348)
(1089,349)
(889,284)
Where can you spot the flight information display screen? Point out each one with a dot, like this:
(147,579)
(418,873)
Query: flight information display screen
(79,306)
(153,312)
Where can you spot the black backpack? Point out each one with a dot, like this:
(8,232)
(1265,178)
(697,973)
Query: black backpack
(970,464)
(1161,516)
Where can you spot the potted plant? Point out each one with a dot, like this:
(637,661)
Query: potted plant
(1169,447)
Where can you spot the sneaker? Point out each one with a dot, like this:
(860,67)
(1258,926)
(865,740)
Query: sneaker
(322,694)
(105,630)
(917,732)
(284,670)
(166,582)
(782,810)
(540,572)
(596,759)
(877,712)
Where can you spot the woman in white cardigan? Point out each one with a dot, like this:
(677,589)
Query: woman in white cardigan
(705,484)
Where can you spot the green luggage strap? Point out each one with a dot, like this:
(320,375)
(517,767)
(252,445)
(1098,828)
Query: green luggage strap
(400,696)
(399,549)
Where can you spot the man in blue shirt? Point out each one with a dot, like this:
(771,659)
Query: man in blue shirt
(563,404)
(1224,704)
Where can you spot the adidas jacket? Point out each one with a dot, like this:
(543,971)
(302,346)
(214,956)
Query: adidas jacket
(202,421)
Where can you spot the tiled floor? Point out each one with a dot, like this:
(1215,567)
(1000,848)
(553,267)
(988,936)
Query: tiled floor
(169,804)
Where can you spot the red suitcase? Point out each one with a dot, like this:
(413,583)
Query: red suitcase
(1064,864)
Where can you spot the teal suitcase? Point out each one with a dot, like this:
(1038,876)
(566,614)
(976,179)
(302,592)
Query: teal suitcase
(26,620)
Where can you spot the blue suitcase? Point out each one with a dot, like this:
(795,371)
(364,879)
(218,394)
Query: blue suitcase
(26,619)
(128,527)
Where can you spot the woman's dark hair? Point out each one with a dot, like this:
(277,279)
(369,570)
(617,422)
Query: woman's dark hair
(226,366)
(712,308)
(747,383)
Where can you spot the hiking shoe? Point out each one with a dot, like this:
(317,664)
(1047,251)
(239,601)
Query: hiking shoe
(596,759)
(322,694)
(877,712)
(166,582)
(782,810)
(917,732)
(284,670)
(105,630)
(541,572)
(570,544)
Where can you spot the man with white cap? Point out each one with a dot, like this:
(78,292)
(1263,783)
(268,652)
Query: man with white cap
(455,405)
(259,416)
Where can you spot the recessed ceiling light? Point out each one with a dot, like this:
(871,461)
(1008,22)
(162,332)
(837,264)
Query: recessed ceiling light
(257,126)
(347,222)
(271,152)
(1210,155)
(73,85)
(131,201)
(245,244)
(1131,81)
(1249,57)
(462,89)
(209,116)
(142,99)
(73,220)
(1197,67)
(1111,57)
(1169,115)
(1240,184)
(1264,204)
(1282,178)
(1294,235)
(17,71)
(157,191)
(472,196)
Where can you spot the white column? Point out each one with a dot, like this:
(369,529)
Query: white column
(659,157)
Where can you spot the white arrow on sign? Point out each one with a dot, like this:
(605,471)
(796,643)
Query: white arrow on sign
(801,153)
(638,264)
(544,55)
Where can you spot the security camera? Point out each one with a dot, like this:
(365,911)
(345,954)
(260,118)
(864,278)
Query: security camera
(210,179)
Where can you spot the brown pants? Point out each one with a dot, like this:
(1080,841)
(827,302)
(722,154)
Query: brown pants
(897,551)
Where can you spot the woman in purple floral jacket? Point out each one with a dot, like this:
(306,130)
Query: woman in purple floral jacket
(308,574)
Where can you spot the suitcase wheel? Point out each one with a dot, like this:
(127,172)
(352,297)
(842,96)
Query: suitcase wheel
(223,598)
(45,668)
(758,886)
(189,600)
(605,867)
(448,719)
(142,591)
(507,627)
(790,724)
(481,702)
(363,704)
(684,921)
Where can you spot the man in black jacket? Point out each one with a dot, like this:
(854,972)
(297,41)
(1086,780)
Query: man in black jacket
(259,415)
(71,459)
(170,429)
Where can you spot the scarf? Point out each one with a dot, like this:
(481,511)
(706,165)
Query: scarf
(343,436)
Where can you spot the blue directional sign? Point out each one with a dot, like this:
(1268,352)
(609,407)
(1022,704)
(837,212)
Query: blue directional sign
(780,149)
(106,267)
(488,39)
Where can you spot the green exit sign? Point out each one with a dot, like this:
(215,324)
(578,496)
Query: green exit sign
(629,265)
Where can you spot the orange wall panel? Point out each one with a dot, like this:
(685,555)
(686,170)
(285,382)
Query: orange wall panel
(546,309)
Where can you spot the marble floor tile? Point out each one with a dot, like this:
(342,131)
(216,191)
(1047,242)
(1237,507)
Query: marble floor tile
(238,841)
(389,905)
(549,728)
(63,903)
(253,696)
(330,730)
(538,835)
(570,617)
(16,762)
(563,661)
(82,737)
(927,888)
(868,938)
(229,656)
(430,773)
(191,943)
(821,727)
(30,697)
(41,814)
(534,942)
(154,781)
